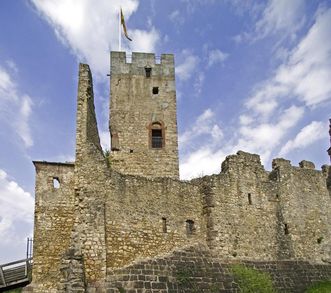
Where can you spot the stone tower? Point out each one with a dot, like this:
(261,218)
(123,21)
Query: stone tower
(143,122)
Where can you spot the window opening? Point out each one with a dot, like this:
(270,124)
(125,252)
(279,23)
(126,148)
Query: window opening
(155,90)
(286,231)
(56,182)
(131,151)
(189,227)
(164,225)
(148,71)
(249,199)
(156,138)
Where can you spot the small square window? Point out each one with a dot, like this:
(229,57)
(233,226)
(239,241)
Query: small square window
(148,72)
(155,90)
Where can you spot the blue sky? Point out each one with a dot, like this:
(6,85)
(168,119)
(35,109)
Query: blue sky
(250,75)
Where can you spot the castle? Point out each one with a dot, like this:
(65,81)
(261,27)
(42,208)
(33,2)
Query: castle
(126,223)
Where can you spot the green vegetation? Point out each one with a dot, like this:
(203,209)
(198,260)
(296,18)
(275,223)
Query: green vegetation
(106,153)
(251,280)
(320,287)
(184,278)
(17,290)
(319,240)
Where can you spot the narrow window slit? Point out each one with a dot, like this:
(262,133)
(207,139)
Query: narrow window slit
(164,225)
(249,199)
(286,231)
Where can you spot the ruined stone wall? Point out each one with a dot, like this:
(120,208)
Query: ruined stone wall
(134,107)
(54,217)
(259,215)
(241,210)
(91,173)
(148,217)
(305,206)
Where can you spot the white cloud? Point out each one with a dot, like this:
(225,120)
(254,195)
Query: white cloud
(308,135)
(216,56)
(305,74)
(90,28)
(275,106)
(104,139)
(15,108)
(308,71)
(202,162)
(198,83)
(185,70)
(281,16)
(144,41)
(206,126)
(176,17)
(22,125)
(16,210)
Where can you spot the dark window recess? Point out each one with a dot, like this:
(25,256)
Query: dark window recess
(56,182)
(164,225)
(286,229)
(190,227)
(156,138)
(148,72)
(131,151)
(155,90)
(277,196)
(249,198)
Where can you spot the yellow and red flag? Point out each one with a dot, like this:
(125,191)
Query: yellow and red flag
(124,26)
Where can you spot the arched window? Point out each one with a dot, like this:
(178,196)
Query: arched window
(156,135)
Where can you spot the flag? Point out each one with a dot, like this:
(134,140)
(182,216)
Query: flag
(124,26)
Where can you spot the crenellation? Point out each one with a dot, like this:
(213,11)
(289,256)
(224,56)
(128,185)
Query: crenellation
(307,165)
(128,223)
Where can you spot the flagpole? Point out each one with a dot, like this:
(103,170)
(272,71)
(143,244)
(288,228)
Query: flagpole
(119,31)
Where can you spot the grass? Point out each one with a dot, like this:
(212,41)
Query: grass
(320,287)
(251,280)
(17,290)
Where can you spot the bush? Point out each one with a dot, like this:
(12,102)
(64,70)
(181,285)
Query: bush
(251,280)
(320,287)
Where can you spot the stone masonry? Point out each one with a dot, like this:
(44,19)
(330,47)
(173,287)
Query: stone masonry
(128,223)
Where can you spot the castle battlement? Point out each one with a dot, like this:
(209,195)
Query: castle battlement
(163,65)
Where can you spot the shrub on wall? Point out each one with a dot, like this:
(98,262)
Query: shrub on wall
(320,287)
(251,280)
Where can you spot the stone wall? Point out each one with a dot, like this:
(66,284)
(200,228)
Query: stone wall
(196,269)
(91,174)
(149,217)
(134,107)
(241,212)
(304,205)
(259,215)
(54,218)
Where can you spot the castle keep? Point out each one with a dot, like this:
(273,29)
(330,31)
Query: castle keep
(128,224)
